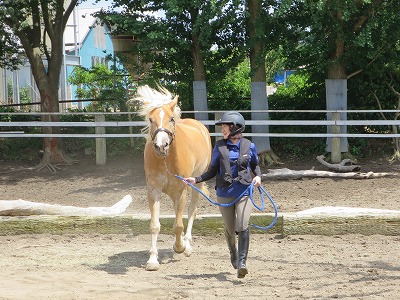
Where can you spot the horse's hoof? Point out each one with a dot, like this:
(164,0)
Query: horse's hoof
(180,250)
(188,250)
(152,266)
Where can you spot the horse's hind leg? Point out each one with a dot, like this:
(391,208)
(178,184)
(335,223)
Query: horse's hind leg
(153,197)
(192,211)
(179,204)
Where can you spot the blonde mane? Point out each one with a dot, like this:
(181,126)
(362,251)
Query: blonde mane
(151,99)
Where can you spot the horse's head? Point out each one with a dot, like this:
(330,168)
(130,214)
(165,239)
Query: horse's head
(162,127)
(161,112)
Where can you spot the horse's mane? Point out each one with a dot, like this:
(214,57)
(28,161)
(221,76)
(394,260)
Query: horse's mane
(151,99)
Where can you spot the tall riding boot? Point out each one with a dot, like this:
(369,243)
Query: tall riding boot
(244,237)
(231,241)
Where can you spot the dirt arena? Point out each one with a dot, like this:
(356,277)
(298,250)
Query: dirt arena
(112,266)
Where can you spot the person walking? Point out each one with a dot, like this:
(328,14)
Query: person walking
(234,162)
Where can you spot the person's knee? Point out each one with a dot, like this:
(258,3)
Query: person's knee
(242,227)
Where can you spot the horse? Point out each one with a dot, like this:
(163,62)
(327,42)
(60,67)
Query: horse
(174,147)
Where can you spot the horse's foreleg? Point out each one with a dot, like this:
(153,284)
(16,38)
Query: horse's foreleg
(179,204)
(153,197)
(192,211)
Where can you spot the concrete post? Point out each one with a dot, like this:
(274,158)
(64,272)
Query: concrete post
(336,154)
(101,154)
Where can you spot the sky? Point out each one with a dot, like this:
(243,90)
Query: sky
(92,4)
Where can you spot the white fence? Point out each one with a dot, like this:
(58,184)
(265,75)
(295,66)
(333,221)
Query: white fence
(333,126)
(335,121)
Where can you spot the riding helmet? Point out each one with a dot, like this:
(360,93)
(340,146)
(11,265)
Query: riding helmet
(234,118)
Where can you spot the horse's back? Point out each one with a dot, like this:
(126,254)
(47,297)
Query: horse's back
(195,130)
(193,136)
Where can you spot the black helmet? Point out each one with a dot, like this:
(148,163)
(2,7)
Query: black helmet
(235,118)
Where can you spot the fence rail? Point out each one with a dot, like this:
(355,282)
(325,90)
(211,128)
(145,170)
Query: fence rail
(332,127)
(205,122)
(8,134)
(102,124)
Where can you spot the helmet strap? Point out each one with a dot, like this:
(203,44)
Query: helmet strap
(236,136)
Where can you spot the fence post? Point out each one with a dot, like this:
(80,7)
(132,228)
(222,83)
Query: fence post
(217,128)
(336,154)
(100,142)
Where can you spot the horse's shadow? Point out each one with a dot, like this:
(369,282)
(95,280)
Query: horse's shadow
(121,262)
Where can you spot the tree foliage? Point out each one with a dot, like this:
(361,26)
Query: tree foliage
(109,88)
(350,34)
(231,92)
(185,34)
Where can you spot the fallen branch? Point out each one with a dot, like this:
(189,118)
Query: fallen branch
(346,165)
(297,174)
(28,208)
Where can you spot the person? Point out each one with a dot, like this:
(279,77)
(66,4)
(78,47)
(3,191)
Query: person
(234,162)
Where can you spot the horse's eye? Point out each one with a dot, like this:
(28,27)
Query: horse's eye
(172,120)
(151,120)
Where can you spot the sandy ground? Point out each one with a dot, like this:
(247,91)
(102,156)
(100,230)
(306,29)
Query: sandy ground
(112,266)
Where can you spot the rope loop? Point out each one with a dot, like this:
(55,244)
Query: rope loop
(250,190)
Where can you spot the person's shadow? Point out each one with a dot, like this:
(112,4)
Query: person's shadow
(121,262)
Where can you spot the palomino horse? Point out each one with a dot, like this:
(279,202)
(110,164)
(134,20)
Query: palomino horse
(174,146)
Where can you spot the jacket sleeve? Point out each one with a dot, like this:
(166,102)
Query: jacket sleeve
(256,169)
(254,166)
(212,169)
(210,173)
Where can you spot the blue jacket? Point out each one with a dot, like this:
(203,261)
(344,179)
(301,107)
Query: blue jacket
(236,188)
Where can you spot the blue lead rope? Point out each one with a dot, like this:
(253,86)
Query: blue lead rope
(249,190)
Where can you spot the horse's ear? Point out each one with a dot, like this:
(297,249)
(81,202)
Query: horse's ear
(174,102)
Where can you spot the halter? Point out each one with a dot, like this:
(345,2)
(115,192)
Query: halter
(162,129)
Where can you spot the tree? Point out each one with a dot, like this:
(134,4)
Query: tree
(188,43)
(256,32)
(230,91)
(38,26)
(341,39)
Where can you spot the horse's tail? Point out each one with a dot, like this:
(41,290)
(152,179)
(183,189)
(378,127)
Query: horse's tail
(205,190)
(200,189)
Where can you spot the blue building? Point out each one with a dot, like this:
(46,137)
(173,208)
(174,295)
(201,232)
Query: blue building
(281,77)
(88,39)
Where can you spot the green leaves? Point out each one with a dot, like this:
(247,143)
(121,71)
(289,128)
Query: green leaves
(108,87)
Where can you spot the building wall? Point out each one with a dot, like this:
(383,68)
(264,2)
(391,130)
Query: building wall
(96,46)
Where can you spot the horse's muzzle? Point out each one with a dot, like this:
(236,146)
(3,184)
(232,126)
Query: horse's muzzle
(162,138)
(161,150)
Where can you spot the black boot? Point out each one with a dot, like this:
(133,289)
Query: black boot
(244,237)
(231,241)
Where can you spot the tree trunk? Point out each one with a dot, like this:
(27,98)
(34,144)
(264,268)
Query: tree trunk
(199,73)
(53,154)
(259,100)
(336,83)
(47,25)
(256,41)
(199,70)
